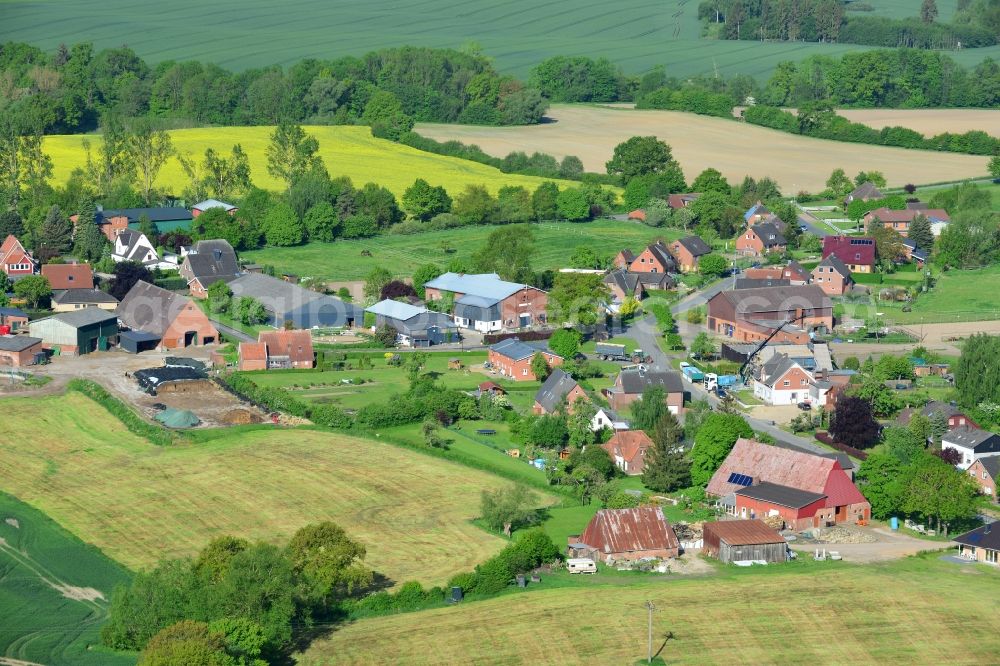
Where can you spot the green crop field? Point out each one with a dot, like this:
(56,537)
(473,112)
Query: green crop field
(915,611)
(554,243)
(516,33)
(346,151)
(139,503)
(54,591)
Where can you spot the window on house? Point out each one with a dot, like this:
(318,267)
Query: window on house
(786,383)
(985,476)
(524,372)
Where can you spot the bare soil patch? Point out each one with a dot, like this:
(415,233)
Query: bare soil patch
(698,142)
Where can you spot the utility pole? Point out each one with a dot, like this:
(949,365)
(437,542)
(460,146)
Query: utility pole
(649,649)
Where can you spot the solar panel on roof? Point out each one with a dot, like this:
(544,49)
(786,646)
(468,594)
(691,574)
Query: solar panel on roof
(741,479)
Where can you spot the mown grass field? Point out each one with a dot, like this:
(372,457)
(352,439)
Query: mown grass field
(517,33)
(43,618)
(915,611)
(554,244)
(795,162)
(139,503)
(346,151)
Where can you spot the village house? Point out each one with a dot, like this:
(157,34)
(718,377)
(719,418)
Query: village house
(12,320)
(626,534)
(866,191)
(277,350)
(485,303)
(784,381)
(655,258)
(755,283)
(627,449)
(18,351)
(114,221)
(131,245)
(687,251)
(986,473)
(489,388)
(68,276)
(606,418)
(78,332)
(857,253)
(622,284)
(751,315)
(558,389)
(676,201)
(512,358)
(972,444)
(911,252)
(981,544)
(76,299)
(832,276)
(209,204)
(629,385)
(757,214)
(806,490)
(208,262)
(793,272)
(900,220)
(175,320)
(743,541)
(760,239)
(956,418)
(415,326)
(15,261)
(287,302)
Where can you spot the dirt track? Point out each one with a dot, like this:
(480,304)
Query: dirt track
(698,142)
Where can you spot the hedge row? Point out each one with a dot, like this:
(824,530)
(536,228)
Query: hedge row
(136,424)
(838,128)
(849,450)
(279,400)
(691,100)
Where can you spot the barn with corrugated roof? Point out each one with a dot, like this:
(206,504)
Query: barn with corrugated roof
(742,540)
(626,534)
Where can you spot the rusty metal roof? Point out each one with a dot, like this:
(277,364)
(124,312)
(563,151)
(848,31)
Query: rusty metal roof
(626,530)
(743,532)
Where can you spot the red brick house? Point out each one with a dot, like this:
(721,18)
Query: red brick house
(857,253)
(176,320)
(676,201)
(756,214)
(687,251)
(485,303)
(18,351)
(253,356)
(623,259)
(629,385)
(626,534)
(512,358)
(627,449)
(793,272)
(956,417)
(557,389)
(209,204)
(277,349)
(15,261)
(986,473)
(656,258)
(806,490)
(832,276)
(900,220)
(750,315)
(623,284)
(69,276)
(760,239)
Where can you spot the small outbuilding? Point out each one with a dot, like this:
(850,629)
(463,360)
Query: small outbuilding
(78,332)
(626,534)
(740,540)
(135,342)
(19,350)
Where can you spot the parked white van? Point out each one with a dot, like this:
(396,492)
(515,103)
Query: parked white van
(577,565)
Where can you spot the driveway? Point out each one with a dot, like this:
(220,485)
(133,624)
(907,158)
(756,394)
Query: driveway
(702,297)
(888,545)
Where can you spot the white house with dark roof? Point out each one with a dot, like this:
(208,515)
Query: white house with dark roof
(132,245)
(972,444)
(787,381)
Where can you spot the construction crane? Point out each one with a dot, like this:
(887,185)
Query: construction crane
(745,368)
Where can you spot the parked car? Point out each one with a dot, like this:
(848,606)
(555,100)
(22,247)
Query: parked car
(805,406)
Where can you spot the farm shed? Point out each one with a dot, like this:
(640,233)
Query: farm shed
(285,301)
(19,350)
(77,332)
(738,540)
(626,534)
(138,341)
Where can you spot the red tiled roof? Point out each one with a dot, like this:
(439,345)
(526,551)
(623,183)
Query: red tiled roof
(637,214)
(626,530)
(853,251)
(253,351)
(628,444)
(69,276)
(490,386)
(785,467)
(890,215)
(297,345)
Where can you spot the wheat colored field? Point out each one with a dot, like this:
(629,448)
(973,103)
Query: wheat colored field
(68,457)
(736,149)
(928,122)
(916,611)
(346,151)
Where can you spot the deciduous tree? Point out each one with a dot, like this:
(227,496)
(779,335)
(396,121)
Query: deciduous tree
(713,442)
(149,148)
(291,153)
(852,423)
(509,508)
(507,252)
(423,200)
(712,265)
(127,273)
(34,289)
(565,342)
(639,155)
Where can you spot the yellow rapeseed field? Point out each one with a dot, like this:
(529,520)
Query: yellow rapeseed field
(346,151)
